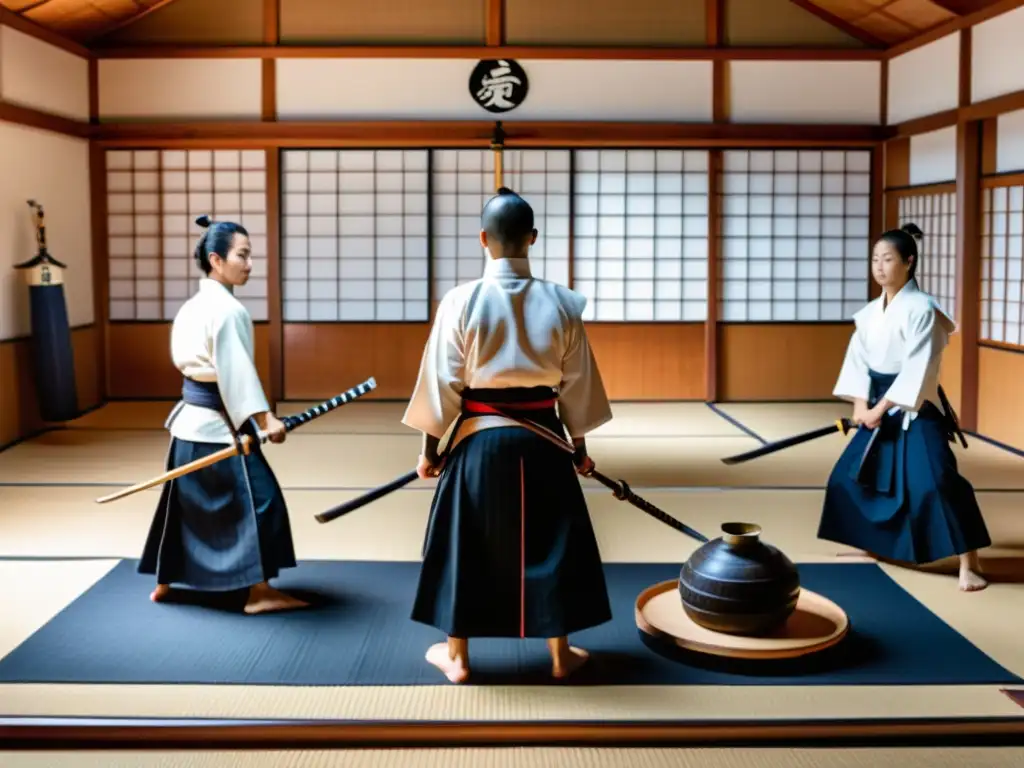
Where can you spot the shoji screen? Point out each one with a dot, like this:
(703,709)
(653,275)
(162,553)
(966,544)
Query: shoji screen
(641,234)
(795,235)
(354,235)
(153,199)
(935,214)
(463,180)
(1002,264)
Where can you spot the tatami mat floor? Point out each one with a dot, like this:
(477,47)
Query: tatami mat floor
(55,542)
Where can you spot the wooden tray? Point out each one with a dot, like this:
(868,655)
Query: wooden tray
(816,624)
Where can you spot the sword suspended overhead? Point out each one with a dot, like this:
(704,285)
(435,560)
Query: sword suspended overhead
(841,425)
(498,148)
(245,443)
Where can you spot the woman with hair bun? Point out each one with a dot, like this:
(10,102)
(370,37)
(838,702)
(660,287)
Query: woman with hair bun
(896,492)
(224,527)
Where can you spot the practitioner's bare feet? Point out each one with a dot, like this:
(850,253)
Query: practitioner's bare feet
(565,658)
(451,659)
(263,599)
(161,592)
(970,579)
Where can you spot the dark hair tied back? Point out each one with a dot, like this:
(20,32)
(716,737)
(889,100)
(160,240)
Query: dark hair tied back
(904,240)
(217,238)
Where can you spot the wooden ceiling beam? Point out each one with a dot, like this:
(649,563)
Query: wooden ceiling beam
(955,25)
(841,24)
(521,52)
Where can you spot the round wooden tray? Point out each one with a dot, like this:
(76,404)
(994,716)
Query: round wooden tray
(816,624)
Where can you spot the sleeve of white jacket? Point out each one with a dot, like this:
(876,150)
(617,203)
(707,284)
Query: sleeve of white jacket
(925,340)
(437,399)
(854,382)
(582,401)
(237,380)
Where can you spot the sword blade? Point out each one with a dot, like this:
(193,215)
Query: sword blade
(245,442)
(361,501)
(841,425)
(243,445)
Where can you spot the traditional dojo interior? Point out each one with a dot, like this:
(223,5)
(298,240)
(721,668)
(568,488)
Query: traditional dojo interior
(710,174)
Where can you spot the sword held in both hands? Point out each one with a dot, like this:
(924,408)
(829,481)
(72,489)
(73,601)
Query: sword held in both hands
(620,489)
(840,425)
(244,444)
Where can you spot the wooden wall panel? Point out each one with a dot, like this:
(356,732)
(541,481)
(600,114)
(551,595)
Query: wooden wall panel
(1000,406)
(656,361)
(19,408)
(950,374)
(397,22)
(194,22)
(323,359)
(650,361)
(780,22)
(140,364)
(606,22)
(781,361)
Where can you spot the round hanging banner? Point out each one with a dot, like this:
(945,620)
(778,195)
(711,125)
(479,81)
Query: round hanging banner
(498,85)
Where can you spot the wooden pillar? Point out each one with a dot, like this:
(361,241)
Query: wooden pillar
(968,242)
(715,35)
(271,36)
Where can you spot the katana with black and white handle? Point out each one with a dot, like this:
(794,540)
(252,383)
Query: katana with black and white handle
(244,444)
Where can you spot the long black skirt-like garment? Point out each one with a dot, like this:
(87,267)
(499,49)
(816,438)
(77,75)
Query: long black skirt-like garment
(221,528)
(510,550)
(901,496)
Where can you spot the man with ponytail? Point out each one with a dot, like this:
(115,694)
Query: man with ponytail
(224,527)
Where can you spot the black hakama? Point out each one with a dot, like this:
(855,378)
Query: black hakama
(510,550)
(220,528)
(899,494)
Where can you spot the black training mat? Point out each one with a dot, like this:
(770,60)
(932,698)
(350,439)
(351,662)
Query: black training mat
(358,633)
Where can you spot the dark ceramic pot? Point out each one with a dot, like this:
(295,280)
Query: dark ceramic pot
(739,585)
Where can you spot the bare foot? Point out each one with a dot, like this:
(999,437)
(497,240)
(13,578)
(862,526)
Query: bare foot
(565,663)
(971,581)
(161,592)
(455,669)
(264,599)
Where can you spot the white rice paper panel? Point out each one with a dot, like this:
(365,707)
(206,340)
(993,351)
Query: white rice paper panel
(36,74)
(1010,142)
(438,89)
(180,89)
(806,92)
(925,80)
(997,56)
(933,157)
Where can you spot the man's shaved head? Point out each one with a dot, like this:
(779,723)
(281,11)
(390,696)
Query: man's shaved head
(508,221)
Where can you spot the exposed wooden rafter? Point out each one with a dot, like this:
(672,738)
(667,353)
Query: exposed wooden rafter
(877,23)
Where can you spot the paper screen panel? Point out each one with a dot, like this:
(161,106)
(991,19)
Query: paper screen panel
(641,234)
(1002,262)
(795,235)
(355,235)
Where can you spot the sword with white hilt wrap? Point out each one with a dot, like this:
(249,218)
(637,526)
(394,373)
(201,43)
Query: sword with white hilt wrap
(244,444)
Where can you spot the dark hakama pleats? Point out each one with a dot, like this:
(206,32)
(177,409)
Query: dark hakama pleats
(510,550)
(221,528)
(900,496)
